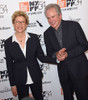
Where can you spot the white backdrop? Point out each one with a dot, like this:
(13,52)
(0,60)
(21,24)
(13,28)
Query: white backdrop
(71,10)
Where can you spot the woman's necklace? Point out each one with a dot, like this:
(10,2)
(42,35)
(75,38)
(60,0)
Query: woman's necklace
(21,40)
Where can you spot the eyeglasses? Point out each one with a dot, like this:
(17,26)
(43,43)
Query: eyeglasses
(20,22)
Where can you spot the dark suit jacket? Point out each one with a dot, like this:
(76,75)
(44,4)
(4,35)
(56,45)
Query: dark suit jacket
(74,41)
(17,63)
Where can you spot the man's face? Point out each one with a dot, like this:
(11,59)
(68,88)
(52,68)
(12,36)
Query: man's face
(53,18)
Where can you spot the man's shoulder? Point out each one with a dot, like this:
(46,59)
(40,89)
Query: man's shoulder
(48,30)
(69,22)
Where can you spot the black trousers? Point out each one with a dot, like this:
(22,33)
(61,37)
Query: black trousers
(71,85)
(36,88)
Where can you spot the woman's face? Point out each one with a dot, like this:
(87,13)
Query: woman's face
(20,24)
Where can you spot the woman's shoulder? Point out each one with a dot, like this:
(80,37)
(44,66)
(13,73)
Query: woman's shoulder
(33,35)
(8,39)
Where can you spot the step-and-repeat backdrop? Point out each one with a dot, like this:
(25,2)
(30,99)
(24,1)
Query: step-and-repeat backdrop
(76,10)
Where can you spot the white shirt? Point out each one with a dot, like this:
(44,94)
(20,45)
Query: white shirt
(29,79)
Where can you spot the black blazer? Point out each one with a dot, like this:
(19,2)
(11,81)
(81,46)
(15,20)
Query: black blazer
(75,42)
(17,63)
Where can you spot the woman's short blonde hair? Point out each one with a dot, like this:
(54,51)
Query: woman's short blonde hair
(20,13)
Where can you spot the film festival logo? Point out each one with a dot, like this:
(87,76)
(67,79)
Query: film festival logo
(47,94)
(3,10)
(76,19)
(10,98)
(5,89)
(44,67)
(34,24)
(69,4)
(3,75)
(2,41)
(32,7)
(41,38)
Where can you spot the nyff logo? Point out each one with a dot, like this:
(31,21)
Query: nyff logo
(31,6)
(3,9)
(47,94)
(7,99)
(61,3)
(2,41)
(44,67)
(24,6)
(68,3)
(11,98)
(4,74)
(41,38)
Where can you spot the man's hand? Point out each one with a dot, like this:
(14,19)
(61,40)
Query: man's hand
(61,54)
(14,90)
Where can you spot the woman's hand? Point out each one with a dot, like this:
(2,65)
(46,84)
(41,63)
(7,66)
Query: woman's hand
(14,90)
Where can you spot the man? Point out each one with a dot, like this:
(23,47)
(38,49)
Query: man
(73,69)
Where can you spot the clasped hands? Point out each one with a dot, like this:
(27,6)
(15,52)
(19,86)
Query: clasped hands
(61,55)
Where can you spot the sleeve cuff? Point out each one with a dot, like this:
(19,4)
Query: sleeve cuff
(57,61)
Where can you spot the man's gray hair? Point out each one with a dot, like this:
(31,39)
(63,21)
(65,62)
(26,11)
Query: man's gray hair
(56,6)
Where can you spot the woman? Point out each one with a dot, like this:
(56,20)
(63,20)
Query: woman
(22,50)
